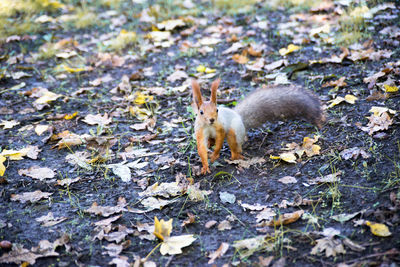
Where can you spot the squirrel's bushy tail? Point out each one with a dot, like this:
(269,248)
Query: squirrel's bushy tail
(278,102)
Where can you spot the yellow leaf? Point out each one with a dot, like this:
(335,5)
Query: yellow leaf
(379,229)
(142,98)
(73,70)
(2,167)
(291,48)
(162,229)
(351,99)
(336,101)
(288,157)
(201,68)
(47,97)
(174,244)
(14,154)
(208,70)
(71,116)
(274,157)
(390,89)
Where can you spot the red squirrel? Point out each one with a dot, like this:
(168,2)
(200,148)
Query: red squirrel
(213,124)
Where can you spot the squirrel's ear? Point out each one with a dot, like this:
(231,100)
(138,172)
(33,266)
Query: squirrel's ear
(197,99)
(214,88)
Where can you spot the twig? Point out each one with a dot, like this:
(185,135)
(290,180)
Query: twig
(392,251)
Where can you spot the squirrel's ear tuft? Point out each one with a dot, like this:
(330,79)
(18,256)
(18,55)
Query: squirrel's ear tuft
(214,89)
(197,99)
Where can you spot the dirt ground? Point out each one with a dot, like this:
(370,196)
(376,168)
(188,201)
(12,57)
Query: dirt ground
(145,84)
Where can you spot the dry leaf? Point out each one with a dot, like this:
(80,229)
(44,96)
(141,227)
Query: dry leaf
(288,180)
(8,124)
(286,218)
(37,172)
(97,119)
(30,196)
(241,59)
(177,75)
(291,48)
(223,248)
(224,225)
(106,211)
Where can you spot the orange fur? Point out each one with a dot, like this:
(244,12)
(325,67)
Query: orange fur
(202,151)
(236,150)
(219,141)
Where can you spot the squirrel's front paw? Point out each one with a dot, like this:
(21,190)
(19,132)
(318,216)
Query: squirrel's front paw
(214,157)
(205,170)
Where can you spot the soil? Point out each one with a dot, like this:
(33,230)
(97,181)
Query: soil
(369,186)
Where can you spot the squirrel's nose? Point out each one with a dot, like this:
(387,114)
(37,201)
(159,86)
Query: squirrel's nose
(211,121)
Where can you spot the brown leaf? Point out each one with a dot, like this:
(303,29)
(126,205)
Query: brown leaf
(106,211)
(191,219)
(286,218)
(224,225)
(37,172)
(18,255)
(223,248)
(338,83)
(30,196)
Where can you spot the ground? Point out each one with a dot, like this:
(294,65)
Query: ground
(137,158)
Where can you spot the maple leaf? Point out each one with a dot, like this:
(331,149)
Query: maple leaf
(330,245)
(171,244)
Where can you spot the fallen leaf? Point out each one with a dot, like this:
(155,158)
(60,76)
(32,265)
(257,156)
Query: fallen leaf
(190,219)
(390,89)
(223,248)
(37,172)
(224,225)
(337,84)
(8,124)
(49,220)
(286,218)
(330,178)
(241,59)
(265,215)
(19,255)
(246,163)
(227,197)
(164,189)
(173,245)
(106,211)
(97,119)
(378,229)
(2,167)
(291,48)
(30,196)
(288,180)
(330,245)
(288,157)
(177,75)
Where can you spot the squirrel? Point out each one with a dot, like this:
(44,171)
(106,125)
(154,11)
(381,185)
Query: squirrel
(213,124)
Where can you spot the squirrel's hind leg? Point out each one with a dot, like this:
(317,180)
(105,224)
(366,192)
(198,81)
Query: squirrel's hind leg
(234,145)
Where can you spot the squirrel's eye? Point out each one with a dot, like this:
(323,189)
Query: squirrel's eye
(217,110)
(201,112)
